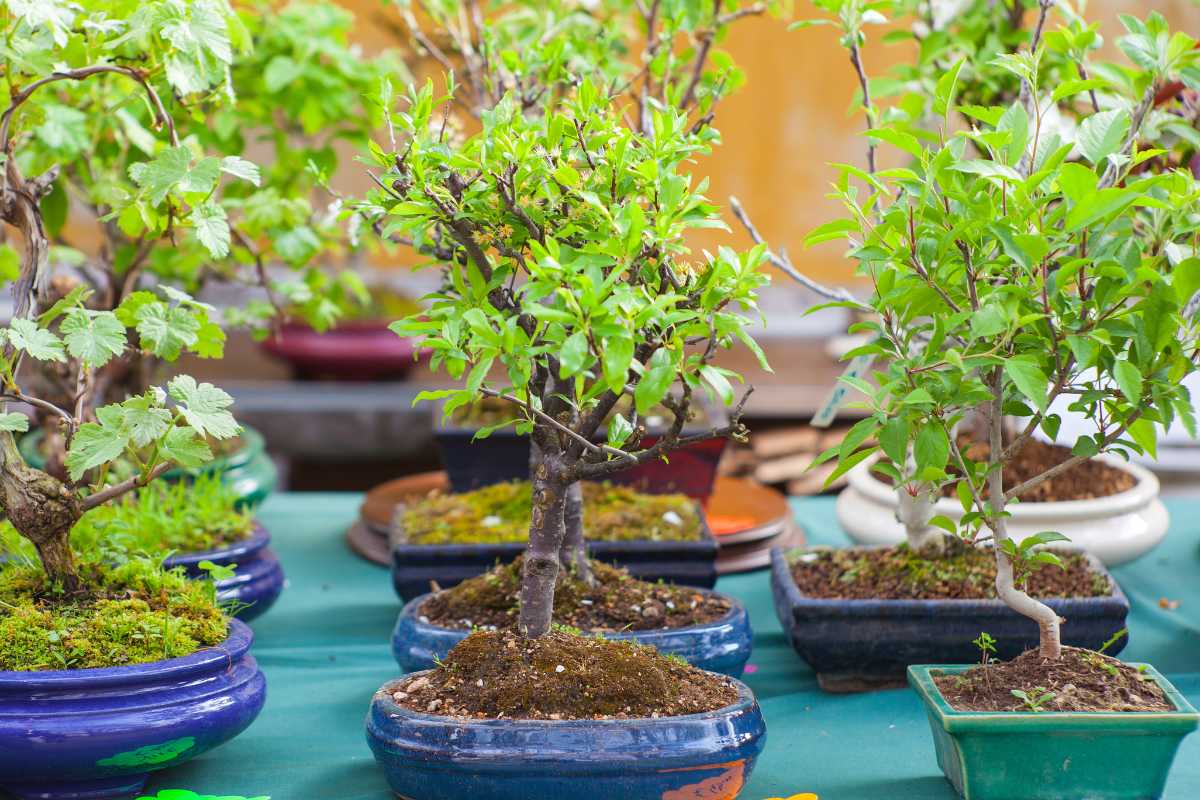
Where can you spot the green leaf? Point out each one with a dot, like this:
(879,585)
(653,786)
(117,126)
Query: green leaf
(932,447)
(718,383)
(280,71)
(617,358)
(946,87)
(24,334)
(93,337)
(988,321)
(847,464)
(574,355)
(95,444)
(241,168)
(184,445)
(656,380)
(212,228)
(1102,134)
(1129,378)
(204,406)
(1029,380)
(173,170)
(1041,539)
(144,418)
(965,499)
(893,438)
(14,422)
(566,175)
(166,330)
(1099,205)
(1144,432)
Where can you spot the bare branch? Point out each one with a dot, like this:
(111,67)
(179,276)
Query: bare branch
(784,264)
(124,487)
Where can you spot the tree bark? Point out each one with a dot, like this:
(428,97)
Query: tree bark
(546,535)
(1049,641)
(43,510)
(573,554)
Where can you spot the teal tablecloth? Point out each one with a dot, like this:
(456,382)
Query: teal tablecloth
(325,650)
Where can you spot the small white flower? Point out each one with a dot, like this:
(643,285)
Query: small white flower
(873,17)
(672,518)
(490,521)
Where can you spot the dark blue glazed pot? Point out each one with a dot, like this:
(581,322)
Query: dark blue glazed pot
(97,734)
(416,566)
(721,646)
(259,578)
(427,757)
(854,645)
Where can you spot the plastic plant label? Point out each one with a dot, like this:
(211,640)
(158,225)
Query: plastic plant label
(828,412)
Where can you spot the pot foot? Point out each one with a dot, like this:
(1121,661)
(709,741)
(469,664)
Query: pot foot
(118,788)
(849,683)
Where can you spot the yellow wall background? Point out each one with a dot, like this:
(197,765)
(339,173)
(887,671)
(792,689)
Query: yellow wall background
(791,119)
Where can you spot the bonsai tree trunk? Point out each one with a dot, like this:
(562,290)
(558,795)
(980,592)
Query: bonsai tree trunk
(915,509)
(1050,644)
(43,510)
(546,535)
(573,554)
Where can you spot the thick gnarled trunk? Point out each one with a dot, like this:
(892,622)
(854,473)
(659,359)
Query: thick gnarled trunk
(546,535)
(43,510)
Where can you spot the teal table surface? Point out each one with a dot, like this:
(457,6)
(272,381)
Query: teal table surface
(325,650)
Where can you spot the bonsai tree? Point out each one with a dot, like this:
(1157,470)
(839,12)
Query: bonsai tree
(569,288)
(680,68)
(55,44)
(130,209)
(1046,268)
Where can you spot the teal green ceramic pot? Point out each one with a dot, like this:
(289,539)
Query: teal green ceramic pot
(249,470)
(1054,755)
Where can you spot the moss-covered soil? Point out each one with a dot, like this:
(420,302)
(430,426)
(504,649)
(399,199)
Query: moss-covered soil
(500,514)
(129,614)
(1081,681)
(964,573)
(561,675)
(615,602)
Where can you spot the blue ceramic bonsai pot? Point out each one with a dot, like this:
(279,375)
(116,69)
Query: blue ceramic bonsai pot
(259,576)
(720,646)
(1054,755)
(427,757)
(416,566)
(854,645)
(97,734)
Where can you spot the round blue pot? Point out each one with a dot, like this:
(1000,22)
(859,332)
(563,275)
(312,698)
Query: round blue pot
(97,734)
(720,646)
(259,576)
(427,757)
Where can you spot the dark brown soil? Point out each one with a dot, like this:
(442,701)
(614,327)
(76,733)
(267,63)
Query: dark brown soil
(1082,681)
(964,573)
(617,602)
(1086,481)
(494,674)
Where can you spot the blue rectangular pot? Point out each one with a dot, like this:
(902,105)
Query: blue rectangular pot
(855,645)
(415,566)
(1053,755)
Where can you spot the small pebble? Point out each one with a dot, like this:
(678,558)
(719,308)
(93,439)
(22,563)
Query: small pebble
(672,518)
(479,682)
(418,684)
(554,716)
(560,668)
(400,696)
(490,521)
(434,705)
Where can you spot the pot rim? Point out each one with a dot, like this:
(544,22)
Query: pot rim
(920,678)
(396,712)
(736,610)
(1140,495)
(258,540)
(876,606)
(207,660)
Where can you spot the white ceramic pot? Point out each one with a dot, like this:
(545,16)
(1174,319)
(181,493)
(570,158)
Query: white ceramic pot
(1115,529)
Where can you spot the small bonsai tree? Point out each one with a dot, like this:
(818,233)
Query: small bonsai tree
(1046,268)
(51,44)
(129,209)
(569,288)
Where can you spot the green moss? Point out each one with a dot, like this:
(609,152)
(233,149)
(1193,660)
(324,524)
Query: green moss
(163,517)
(500,514)
(133,613)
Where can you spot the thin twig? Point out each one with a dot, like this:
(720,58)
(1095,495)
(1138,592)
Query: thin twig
(124,487)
